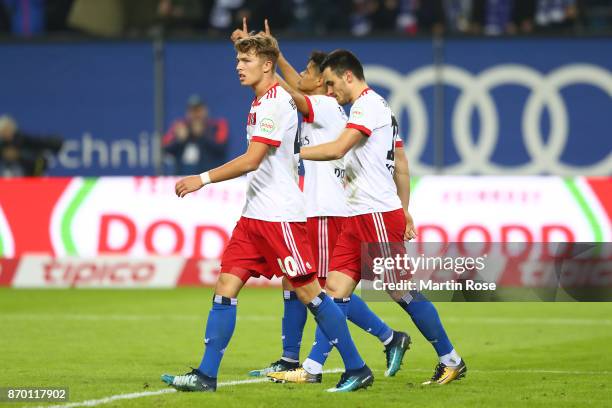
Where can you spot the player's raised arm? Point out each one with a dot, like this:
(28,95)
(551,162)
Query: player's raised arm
(401,176)
(333,150)
(289,79)
(289,73)
(241,165)
(298,97)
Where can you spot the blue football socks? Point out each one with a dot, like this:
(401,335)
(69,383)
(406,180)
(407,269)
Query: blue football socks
(360,314)
(332,322)
(219,329)
(294,319)
(425,316)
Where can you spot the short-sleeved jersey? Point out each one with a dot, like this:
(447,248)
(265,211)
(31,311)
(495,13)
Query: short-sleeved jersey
(273,193)
(324,188)
(371,163)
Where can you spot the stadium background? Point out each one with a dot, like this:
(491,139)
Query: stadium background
(508,138)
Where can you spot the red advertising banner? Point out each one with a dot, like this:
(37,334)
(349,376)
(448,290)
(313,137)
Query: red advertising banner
(135,232)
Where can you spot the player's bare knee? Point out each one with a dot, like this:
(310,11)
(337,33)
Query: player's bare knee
(338,285)
(287,284)
(396,295)
(308,292)
(228,285)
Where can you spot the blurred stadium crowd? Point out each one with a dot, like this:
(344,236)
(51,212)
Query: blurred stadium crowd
(193,139)
(305,17)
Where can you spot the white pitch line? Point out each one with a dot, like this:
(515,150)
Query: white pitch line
(134,395)
(93,403)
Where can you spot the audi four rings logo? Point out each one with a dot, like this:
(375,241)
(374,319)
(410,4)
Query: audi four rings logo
(475,94)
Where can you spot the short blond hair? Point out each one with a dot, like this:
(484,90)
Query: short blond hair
(263,46)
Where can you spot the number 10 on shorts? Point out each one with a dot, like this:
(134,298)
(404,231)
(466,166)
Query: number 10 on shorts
(288,266)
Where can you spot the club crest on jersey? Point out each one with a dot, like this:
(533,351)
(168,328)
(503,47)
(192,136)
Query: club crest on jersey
(267,126)
(252,119)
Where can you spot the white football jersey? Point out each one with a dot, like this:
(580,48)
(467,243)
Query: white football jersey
(273,193)
(324,188)
(371,163)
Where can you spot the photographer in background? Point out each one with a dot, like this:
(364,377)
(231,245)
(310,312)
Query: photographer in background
(196,141)
(21,154)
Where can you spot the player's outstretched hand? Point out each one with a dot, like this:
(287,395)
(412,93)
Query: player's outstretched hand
(188,185)
(239,34)
(410,232)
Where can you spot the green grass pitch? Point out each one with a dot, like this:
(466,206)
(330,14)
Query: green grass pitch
(102,343)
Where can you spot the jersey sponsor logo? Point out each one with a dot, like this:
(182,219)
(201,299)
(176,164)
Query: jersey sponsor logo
(267,126)
(357,113)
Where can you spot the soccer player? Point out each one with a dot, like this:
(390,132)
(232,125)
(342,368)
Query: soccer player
(326,209)
(270,238)
(378,200)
